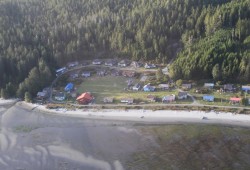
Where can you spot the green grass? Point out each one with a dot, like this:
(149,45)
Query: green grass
(110,86)
(101,87)
(221,99)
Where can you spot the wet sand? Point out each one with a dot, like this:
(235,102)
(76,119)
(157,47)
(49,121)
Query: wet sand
(32,137)
(33,140)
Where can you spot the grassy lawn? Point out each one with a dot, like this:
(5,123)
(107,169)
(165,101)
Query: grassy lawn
(110,86)
(221,99)
(101,87)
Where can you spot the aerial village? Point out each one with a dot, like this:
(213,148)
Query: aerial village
(119,82)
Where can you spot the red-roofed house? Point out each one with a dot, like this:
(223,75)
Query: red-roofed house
(84,98)
(234,100)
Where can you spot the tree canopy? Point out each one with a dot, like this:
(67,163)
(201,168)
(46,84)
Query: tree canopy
(42,35)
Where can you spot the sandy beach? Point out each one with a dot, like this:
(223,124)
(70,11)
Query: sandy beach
(33,137)
(38,140)
(149,116)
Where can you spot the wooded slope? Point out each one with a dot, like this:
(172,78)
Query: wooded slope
(38,36)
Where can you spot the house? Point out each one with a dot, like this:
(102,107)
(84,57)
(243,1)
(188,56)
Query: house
(136,87)
(149,66)
(186,86)
(235,100)
(128,73)
(86,74)
(85,63)
(127,100)
(148,88)
(209,85)
(60,96)
(42,95)
(101,72)
(144,78)
(246,88)
(97,62)
(73,64)
(124,63)
(163,86)
(249,101)
(47,90)
(84,98)
(228,87)
(165,70)
(108,100)
(168,99)
(115,72)
(110,62)
(74,75)
(69,87)
(136,64)
(151,98)
(61,71)
(208,98)
(182,95)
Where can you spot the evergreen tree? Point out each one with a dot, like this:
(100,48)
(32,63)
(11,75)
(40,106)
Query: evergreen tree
(28,97)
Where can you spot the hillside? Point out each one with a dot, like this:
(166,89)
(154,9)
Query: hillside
(38,36)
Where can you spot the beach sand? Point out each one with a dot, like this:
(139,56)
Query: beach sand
(37,140)
(149,116)
(33,137)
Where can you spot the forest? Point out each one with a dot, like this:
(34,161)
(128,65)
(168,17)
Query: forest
(206,39)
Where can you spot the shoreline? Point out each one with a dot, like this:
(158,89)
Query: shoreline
(148,116)
(145,116)
(7,101)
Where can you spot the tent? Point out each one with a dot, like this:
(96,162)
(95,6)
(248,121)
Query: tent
(69,87)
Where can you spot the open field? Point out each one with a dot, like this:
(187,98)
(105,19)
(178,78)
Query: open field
(221,98)
(116,87)
(110,86)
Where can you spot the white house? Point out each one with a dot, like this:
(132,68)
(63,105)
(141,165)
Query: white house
(137,87)
(124,63)
(97,62)
(164,86)
(149,66)
(73,64)
(209,85)
(60,71)
(60,96)
(127,100)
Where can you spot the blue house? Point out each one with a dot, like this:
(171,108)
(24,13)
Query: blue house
(69,87)
(246,88)
(148,88)
(208,98)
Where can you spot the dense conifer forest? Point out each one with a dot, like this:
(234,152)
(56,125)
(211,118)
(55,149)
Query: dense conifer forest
(206,38)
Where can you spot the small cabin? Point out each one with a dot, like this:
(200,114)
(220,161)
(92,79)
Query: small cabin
(208,98)
(182,95)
